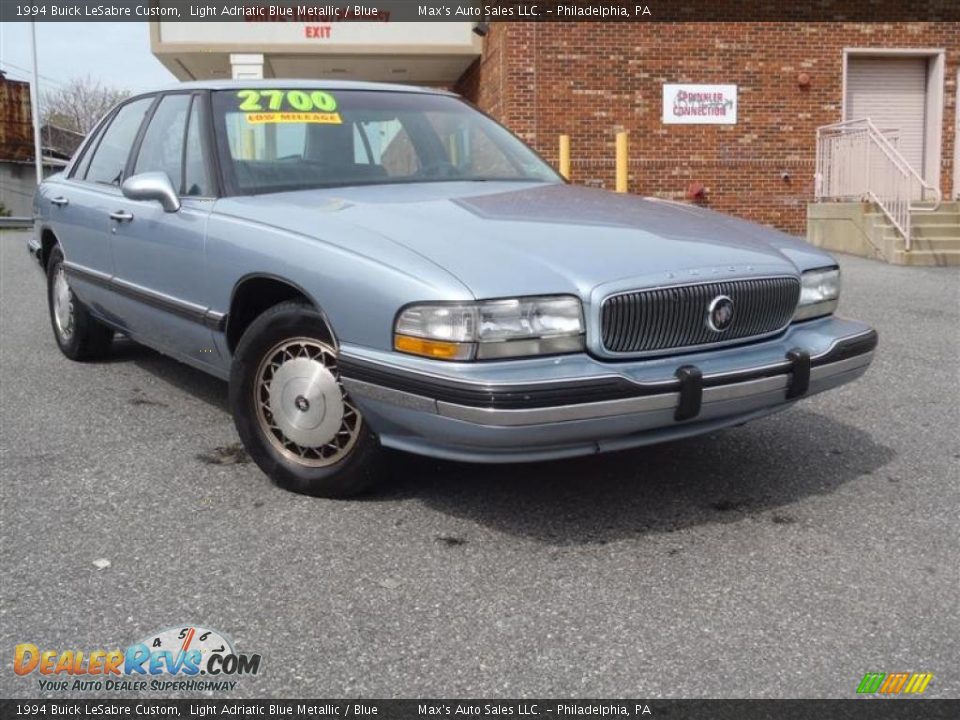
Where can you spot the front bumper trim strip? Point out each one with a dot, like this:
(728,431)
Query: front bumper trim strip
(594,410)
(554,393)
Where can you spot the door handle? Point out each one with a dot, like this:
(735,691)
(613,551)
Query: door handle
(59,201)
(121,216)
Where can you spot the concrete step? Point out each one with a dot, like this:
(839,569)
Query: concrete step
(918,218)
(939,217)
(950,206)
(891,244)
(937,244)
(925,258)
(944,232)
(933,231)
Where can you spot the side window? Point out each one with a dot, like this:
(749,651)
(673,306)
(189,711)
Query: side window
(471,150)
(110,157)
(84,162)
(484,158)
(267,141)
(386,143)
(289,140)
(196,181)
(162,146)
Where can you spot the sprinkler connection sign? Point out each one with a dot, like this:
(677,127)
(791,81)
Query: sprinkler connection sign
(700,104)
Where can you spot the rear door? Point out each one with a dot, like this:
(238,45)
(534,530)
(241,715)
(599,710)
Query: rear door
(159,263)
(80,206)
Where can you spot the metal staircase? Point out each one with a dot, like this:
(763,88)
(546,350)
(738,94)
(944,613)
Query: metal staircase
(856,161)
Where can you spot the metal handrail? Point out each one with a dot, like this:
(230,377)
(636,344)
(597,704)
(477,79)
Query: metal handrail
(855,159)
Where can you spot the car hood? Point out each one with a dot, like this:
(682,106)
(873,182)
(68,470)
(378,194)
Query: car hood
(502,239)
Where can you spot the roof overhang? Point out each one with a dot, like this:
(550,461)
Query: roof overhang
(406,52)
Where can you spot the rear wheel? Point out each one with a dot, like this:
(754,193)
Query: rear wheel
(293,415)
(79,335)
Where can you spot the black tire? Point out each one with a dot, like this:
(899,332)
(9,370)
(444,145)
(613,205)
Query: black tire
(84,337)
(353,471)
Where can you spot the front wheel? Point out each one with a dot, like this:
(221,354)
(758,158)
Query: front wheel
(293,415)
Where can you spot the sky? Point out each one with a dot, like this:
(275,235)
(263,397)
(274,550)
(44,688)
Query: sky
(117,54)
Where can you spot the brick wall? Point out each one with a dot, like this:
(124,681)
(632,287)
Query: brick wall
(590,80)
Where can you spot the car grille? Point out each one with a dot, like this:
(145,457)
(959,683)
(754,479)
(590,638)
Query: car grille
(675,317)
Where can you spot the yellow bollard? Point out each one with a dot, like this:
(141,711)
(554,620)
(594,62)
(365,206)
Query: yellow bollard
(565,156)
(621,162)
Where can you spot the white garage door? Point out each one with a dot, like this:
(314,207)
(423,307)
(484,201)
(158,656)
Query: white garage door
(892,92)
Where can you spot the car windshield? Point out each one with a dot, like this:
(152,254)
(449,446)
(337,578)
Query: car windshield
(273,140)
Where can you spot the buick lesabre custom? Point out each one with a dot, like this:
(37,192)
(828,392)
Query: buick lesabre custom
(376,266)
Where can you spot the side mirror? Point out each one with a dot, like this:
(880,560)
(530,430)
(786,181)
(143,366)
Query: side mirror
(152,186)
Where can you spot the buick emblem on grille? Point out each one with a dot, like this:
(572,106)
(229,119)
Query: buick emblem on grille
(720,313)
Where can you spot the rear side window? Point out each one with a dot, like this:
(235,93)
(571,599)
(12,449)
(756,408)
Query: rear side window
(111,154)
(196,180)
(386,143)
(84,163)
(162,146)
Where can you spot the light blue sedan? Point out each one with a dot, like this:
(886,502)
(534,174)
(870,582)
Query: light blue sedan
(375,266)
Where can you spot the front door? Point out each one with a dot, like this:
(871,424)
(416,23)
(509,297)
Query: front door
(158,256)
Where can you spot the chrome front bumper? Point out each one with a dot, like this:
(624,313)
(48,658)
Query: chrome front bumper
(669,400)
(471,418)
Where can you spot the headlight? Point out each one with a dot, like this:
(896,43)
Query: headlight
(491,329)
(819,293)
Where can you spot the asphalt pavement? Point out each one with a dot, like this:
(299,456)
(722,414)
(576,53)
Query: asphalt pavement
(784,558)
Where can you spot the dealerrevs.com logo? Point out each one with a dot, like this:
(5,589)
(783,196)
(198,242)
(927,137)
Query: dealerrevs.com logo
(187,658)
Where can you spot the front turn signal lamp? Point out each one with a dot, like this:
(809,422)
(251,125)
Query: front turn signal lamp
(491,329)
(819,293)
(437,349)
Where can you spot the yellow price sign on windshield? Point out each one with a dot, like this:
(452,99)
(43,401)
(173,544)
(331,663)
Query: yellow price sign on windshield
(290,100)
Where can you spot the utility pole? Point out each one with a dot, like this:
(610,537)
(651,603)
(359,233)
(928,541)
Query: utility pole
(35,106)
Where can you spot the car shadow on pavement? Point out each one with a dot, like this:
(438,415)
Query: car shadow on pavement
(188,379)
(759,470)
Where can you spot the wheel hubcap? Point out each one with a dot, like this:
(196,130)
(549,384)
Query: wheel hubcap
(62,303)
(301,405)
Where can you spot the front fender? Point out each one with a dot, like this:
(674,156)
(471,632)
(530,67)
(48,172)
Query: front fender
(359,279)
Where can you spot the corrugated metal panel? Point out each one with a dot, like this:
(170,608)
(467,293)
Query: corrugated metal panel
(16,131)
(891,91)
